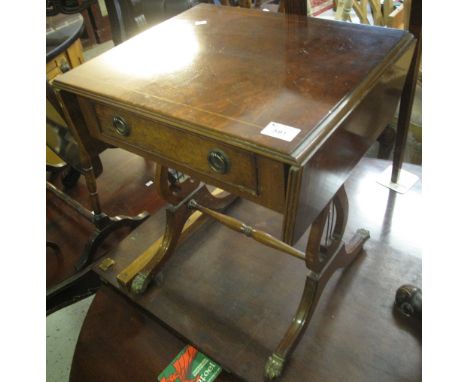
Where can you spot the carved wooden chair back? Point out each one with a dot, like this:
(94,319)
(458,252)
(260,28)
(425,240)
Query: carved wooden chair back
(372,11)
(298,7)
(60,140)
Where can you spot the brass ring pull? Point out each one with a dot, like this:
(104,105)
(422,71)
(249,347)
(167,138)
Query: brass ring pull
(219,161)
(121,126)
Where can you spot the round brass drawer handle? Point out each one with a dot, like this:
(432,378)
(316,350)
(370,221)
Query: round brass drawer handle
(121,126)
(219,161)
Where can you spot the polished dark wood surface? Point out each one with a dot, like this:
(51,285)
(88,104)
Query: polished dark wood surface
(234,305)
(192,84)
(123,191)
(163,95)
(204,71)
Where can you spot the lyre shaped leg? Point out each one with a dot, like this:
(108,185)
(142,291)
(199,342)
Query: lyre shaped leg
(179,225)
(322,268)
(175,221)
(310,295)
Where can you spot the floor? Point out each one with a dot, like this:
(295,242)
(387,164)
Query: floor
(63,329)
(63,326)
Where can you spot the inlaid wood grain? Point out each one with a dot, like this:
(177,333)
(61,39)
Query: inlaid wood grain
(227,72)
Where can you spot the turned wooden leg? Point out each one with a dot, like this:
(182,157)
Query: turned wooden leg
(275,364)
(323,257)
(104,224)
(386,142)
(91,166)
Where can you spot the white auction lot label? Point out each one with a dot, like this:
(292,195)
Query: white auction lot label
(280,131)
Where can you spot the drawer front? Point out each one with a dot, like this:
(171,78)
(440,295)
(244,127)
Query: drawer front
(203,155)
(57,66)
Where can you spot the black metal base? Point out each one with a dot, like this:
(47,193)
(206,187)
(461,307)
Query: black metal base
(100,235)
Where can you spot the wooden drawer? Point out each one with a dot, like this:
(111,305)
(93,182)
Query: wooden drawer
(189,151)
(57,66)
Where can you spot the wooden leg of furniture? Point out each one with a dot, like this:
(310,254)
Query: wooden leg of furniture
(409,89)
(104,224)
(99,219)
(108,226)
(324,255)
(181,222)
(91,167)
(386,142)
(312,291)
(70,178)
(176,217)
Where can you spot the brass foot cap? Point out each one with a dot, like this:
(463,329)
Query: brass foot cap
(274,366)
(140,283)
(364,233)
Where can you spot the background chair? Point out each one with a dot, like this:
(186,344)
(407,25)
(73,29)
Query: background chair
(129,17)
(393,14)
(390,13)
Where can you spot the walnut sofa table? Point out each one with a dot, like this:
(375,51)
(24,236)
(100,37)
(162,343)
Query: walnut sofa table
(273,108)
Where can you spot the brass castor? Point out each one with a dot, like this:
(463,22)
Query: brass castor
(408,301)
(274,367)
(141,282)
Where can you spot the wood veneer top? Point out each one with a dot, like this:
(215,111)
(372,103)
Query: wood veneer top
(227,72)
